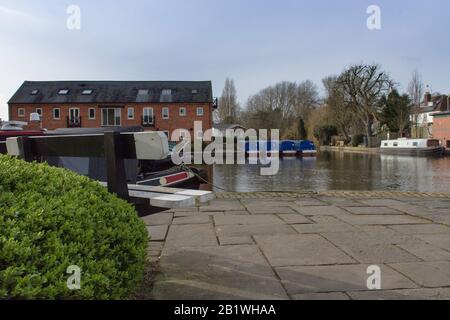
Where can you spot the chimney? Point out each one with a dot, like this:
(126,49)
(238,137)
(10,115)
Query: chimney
(427,100)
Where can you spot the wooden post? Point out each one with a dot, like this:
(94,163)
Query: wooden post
(115,165)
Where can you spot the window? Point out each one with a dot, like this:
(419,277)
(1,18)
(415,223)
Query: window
(87,92)
(415,144)
(165,113)
(166,92)
(386,144)
(130,113)
(167,134)
(183,112)
(91,113)
(34,92)
(195,91)
(148,118)
(39,111)
(56,114)
(63,92)
(200,112)
(111,117)
(395,144)
(21,112)
(143,92)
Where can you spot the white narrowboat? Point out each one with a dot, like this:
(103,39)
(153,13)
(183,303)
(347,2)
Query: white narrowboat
(412,147)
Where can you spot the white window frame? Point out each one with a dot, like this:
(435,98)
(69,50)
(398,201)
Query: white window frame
(78,111)
(128,113)
(202,113)
(40,112)
(148,111)
(89,114)
(21,112)
(185,112)
(168,113)
(59,113)
(117,113)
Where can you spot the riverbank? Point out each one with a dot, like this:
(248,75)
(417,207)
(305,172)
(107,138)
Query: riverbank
(351,149)
(302,246)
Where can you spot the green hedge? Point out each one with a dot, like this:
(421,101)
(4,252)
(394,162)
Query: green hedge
(51,219)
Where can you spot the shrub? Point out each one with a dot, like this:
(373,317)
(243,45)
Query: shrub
(52,218)
(357,140)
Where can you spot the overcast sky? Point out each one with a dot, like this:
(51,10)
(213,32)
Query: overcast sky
(256,42)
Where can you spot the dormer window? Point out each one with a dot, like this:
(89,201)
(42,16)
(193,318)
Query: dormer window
(34,92)
(63,92)
(143,92)
(87,92)
(166,92)
(195,91)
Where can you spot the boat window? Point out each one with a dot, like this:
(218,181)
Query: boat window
(395,144)
(386,144)
(415,144)
(433,143)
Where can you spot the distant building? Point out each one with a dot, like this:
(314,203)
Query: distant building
(423,122)
(441,128)
(155,105)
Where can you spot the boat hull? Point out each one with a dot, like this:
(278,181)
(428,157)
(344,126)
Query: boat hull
(437,151)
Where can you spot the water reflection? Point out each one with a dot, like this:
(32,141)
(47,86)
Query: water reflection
(340,171)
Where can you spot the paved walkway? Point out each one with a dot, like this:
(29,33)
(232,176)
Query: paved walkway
(303,246)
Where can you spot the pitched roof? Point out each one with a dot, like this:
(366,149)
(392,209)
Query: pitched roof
(104,92)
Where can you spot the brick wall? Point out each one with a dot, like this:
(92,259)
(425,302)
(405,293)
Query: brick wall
(175,121)
(441,129)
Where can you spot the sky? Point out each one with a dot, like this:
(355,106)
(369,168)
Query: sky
(256,42)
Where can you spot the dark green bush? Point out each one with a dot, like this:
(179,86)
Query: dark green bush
(51,219)
(357,140)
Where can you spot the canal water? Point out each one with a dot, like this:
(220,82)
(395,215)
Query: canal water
(340,171)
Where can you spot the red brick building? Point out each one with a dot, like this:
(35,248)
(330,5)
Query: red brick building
(441,128)
(154,105)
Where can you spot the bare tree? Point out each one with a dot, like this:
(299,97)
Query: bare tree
(228,105)
(415,91)
(362,87)
(307,99)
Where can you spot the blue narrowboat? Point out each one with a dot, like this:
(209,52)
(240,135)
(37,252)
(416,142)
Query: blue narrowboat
(288,148)
(306,148)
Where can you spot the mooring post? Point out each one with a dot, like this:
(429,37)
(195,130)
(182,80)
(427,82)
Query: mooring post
(115,165)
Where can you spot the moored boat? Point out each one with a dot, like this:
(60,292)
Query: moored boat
(307,148)
(288,148)
(10,129)
(412,147)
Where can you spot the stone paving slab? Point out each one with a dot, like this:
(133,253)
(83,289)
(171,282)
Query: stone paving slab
(304,246)
(323,279)
(300,250)
(373,210)
(426,274)
(381,219)
(195,235)
(229,272)
(322,211)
